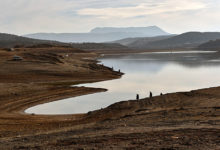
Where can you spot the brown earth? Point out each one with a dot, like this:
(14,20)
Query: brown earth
(187,120)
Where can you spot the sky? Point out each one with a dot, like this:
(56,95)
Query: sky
(74,16)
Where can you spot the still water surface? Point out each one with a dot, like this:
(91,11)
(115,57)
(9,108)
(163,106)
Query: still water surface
(145,72)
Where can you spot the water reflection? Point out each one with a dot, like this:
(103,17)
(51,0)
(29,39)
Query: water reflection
(158,73)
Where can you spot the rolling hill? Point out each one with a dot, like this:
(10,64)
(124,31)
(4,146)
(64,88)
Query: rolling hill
(9,41)
(211,45)
(99,46)
(186,40)
(140,41)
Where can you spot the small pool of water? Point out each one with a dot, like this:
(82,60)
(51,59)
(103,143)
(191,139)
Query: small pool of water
(145,72)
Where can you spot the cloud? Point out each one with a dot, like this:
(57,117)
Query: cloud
(28,16)
(143,9)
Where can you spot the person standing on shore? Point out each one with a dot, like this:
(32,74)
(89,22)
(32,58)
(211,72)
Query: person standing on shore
(151,95)
(137,96)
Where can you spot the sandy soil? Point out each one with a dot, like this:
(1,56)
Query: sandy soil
(187,120)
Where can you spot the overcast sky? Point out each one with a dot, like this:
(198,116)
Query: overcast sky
(174,16)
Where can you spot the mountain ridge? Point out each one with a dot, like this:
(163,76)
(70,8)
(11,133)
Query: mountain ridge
(186,40)
(101,34)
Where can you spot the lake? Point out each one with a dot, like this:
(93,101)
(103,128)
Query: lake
(164,72)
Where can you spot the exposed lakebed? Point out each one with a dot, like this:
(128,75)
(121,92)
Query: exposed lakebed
(163,72)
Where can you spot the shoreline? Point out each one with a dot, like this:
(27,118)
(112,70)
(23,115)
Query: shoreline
(156,120)
(19,95)
(120,116)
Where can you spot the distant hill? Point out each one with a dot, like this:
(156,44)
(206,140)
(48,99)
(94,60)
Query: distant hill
(140,42)
(126,41)
(99,46)
(9,41)
(147,31)
(100,35)
(211,45)
(185,40)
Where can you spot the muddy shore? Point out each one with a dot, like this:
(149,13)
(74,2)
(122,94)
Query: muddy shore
(187,120)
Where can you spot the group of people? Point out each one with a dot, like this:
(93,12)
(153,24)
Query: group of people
(151,95)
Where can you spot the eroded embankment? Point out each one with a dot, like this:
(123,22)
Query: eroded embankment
(187,120)
(44,75)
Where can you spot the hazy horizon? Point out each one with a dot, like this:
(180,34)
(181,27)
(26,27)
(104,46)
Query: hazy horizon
(72,16)
(54,32)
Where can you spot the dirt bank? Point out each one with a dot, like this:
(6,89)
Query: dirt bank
(43,75)
(187,120)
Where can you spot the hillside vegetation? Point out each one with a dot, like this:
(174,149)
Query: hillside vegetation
(99,46)
(211,45)
(184,41)
(140,42)
(9,41)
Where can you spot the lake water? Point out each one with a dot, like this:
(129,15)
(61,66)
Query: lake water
(145,72)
